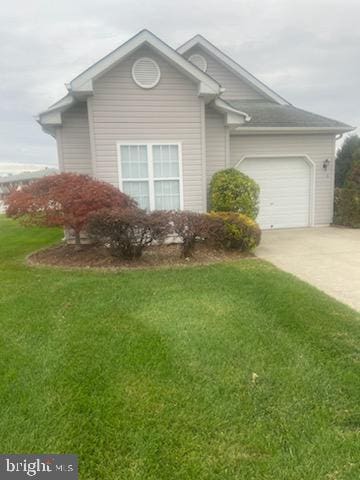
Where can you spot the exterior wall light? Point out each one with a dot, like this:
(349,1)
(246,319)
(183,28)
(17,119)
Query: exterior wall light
(326,163)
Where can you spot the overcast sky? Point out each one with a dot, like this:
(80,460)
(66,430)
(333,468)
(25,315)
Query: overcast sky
(307,51)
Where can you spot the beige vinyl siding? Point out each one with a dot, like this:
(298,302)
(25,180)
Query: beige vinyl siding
(317,147)
(236,88)
(215,142)
(123,111)
(74,141)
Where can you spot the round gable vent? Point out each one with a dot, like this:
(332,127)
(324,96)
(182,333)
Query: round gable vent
(146,72)
(199,61)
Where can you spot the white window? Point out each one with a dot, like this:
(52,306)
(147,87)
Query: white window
(151,173)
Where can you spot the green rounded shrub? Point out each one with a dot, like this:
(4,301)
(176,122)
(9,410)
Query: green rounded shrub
(347,199)
(353,178)
(231,230)
(233,191)
(347,207)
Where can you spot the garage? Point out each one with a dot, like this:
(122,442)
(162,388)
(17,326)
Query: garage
(285,190)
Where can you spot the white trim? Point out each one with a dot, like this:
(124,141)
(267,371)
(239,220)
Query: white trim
(233,66)
(90,113)
(59,147)
(233,117)
(151,179)
(157,68)
(181,176)
(224,106)
(150,159)
(227,147)
(312,164)
(203,154)
(51,117)
(84,81)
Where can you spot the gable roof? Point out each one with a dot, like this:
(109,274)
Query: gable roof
(260,115)
(269,115)
(83,83)
(229,63)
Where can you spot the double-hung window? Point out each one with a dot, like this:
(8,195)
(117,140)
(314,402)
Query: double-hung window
(151,174)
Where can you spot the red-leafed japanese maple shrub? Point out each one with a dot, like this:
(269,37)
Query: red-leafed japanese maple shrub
(128,231)
(189,227)
(64,200)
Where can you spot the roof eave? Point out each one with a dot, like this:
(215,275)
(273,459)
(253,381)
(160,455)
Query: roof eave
(233,66)
(279,130)
(52,117)
(60,105)
(49,129)
(233,117)
(222,106)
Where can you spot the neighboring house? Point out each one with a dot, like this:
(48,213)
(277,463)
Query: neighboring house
(11,182)
(158,123)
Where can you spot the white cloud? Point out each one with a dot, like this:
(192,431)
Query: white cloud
(307,51)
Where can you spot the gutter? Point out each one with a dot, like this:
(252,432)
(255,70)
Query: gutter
(223,106)
(278,130)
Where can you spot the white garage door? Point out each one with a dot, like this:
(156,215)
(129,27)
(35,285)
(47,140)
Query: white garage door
(284,190)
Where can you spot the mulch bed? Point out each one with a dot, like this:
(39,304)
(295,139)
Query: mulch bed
(94,256)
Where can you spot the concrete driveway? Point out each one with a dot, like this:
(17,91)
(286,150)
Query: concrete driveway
(327,257)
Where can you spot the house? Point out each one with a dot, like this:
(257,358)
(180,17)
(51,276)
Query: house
(11,182)
(158,123)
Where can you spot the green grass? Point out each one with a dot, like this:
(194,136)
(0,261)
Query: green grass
(148,374)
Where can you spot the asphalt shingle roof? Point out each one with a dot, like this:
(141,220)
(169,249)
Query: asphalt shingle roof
(269,114)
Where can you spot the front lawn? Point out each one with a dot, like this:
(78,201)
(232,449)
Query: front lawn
(150,374)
